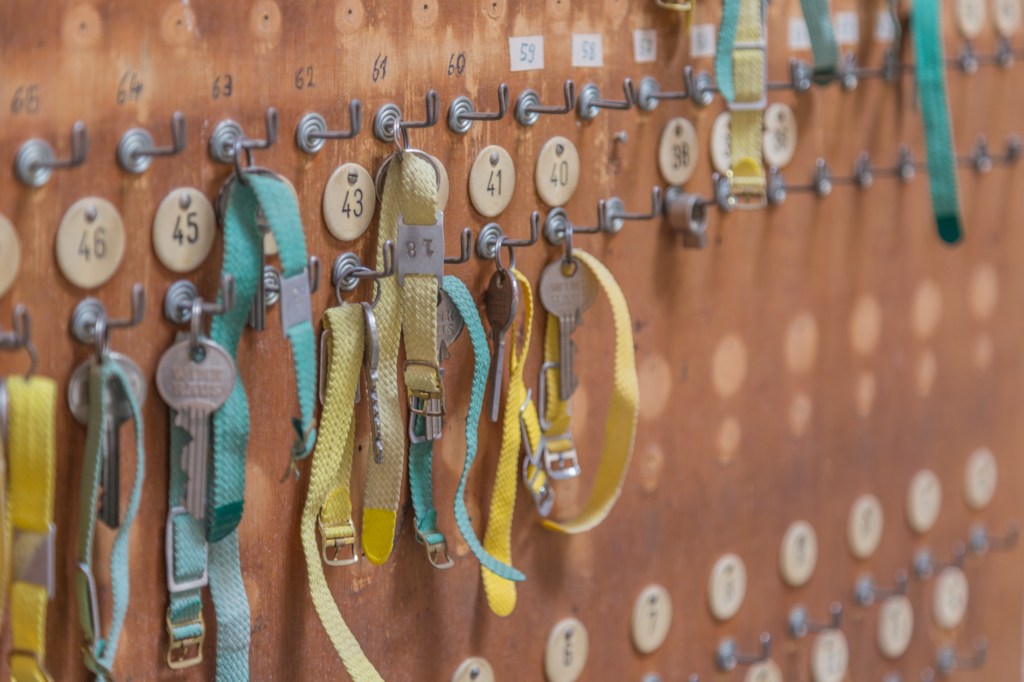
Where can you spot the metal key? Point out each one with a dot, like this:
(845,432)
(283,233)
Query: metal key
(118,412)
(502,300)
(565,292)
(371,358)
(449,327)
(195,381)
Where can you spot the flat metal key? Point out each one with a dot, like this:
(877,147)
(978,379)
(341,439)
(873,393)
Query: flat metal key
(195,381)
(501,301)
(449,327)
(371,359)
(565,292)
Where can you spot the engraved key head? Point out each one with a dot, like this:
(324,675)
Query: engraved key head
(502,301)
(78,388)
(449,322)
(185,380)
(566,289)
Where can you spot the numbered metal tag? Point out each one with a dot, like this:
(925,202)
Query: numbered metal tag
(420,249)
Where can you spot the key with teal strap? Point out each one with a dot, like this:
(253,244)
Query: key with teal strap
(926,27)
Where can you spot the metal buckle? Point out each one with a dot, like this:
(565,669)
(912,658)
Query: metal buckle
(544,495)
(420,402)
(333,548)
(187,652)
(173,586)
(542,398)
(85,593)
(437,552)
(563,464)
(296,305)
(32,558)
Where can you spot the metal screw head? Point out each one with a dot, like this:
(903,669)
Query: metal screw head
(460,105)
(28,162)
(645,94)
(308,125)
(527,99)
(132,142)
(222,141)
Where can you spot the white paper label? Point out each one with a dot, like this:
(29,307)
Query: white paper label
(645,45)
(586,50)
(798,38)
(702,40)
(847,28)
(526,53)
(885,29)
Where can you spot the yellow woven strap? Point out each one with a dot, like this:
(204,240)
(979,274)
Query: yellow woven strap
(335,437)
(747,124)
(410,190)
(620,424)
(5,530)
(30,508)
(501,592)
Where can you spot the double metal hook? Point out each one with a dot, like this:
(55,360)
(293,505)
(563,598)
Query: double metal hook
(228,142)
(136,150)
(312,131)
(36,160)
(348,270)
(462,113)
(182,304)
(20,336)
(491,240)
(388,125)
(529,108)
(90,323)
(590,102)
(728,655)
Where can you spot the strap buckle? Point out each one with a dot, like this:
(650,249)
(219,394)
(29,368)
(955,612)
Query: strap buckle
(427,404)
(88,603)
(32,558)
(174,586)
(338,542)
(561,463)
(188,651)
(437,551)
(542,493)
(753,46)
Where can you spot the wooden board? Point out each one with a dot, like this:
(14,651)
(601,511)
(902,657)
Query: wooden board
(735,441)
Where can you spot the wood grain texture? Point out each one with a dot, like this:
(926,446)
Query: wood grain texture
(711,474)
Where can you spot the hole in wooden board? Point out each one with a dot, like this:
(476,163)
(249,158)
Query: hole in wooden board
(83,26)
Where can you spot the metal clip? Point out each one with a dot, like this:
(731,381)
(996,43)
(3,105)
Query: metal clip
(948,661)
(135,151)
(437,552)
(529,108)
(173,585)
(612,214)
(800,624)
(35,161)
(188,651)
(687,213)
(312,131)
(590,102)
(388,124)
(85,589)
(32,558)
(543,495)
(925,565)
(462,113)
(981,542)
(728,656)
(90,323)
(865,592)
(20,336)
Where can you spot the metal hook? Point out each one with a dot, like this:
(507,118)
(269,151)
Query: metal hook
(491,234)
(820,184)
(465,248)
(925,565)
(905,168)
(866,591)
(612,214)
(20,336)
(981,542)
(312,131)
(590,102)
(462,113)
(699,86)
(182,304)
(348,269)
(948,661)
(649,94)
(863,174)
(135,151)
(389,120)
(35,161)
(800,624)
(967,61)
(557,227)
(529,108)
(1011,151)
(688,213)
(90,323)
(228,139)
(801,77)
(728,656)
(979,159)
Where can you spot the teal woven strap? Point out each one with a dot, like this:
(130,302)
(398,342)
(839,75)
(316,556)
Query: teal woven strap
(463,300)
(421,454)
(818,17)
(104,649)
(723,53)
(232,607)
(188,548)
(931,85)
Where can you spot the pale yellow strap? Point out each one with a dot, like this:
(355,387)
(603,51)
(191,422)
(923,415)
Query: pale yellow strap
(501,592)
(336,426)
(30,507)
(406,194)
(620,424)
(747,126)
